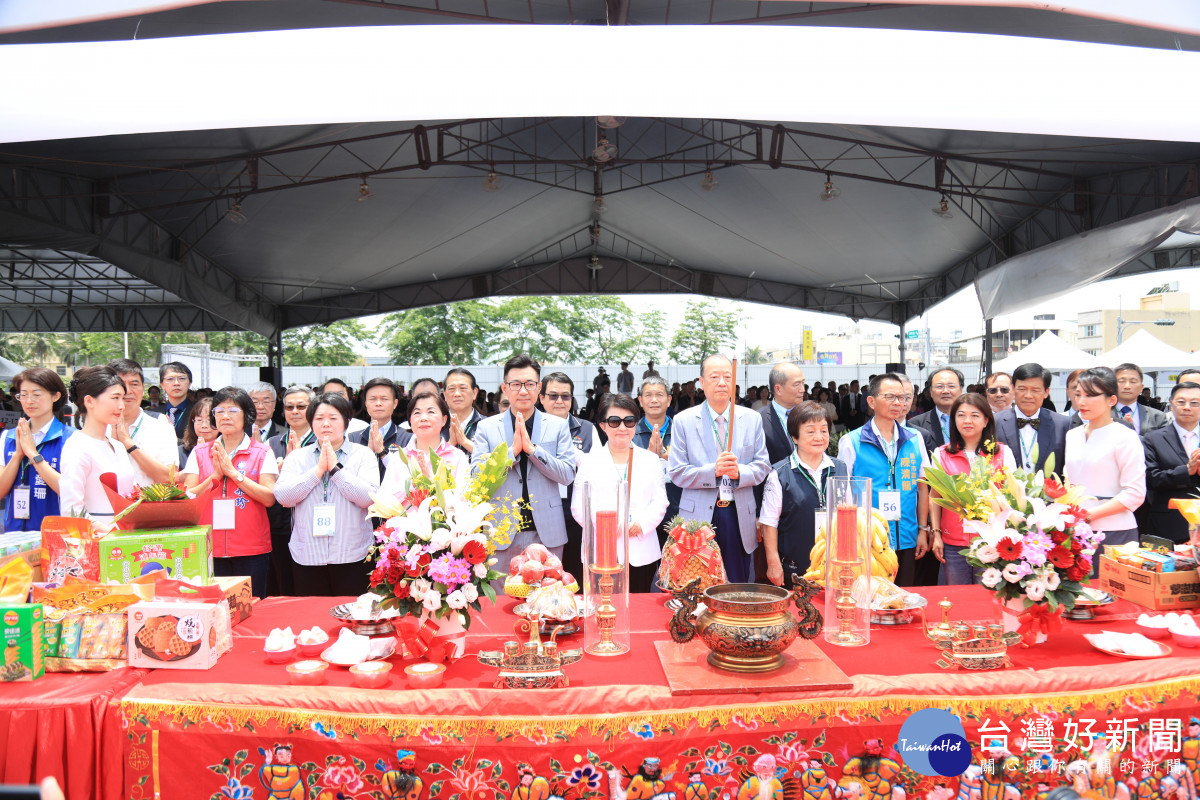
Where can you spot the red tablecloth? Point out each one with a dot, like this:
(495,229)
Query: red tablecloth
(59,725)
(207,722)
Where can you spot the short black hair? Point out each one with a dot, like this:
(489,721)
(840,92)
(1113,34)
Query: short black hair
(419,381)
(877,382)
(1129,366)
(371,384)
(957,443)
(461,371)
(174,366)
(1098,382)
(1181,386)
(339,382)
(1187,372)
(1031,372)
(962,380)
(995,375)
(804,413)
(339,403)
(610,401)
(126,366)
(557,377)
(522,361)
(239,396)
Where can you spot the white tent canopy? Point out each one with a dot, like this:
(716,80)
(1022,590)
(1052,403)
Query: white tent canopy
(1049,351)
(1148,352)
(9,369)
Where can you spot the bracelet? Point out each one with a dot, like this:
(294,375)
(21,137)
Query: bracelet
(131,448)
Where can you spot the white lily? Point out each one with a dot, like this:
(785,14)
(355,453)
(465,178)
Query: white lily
(1046,516)
(467,518)
(1017,489)
(418,522)
(991,530)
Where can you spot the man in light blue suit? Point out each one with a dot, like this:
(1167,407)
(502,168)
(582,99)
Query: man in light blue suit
(543,458)
(718,483)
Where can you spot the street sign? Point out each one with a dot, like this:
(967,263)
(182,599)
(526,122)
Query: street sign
(913,335)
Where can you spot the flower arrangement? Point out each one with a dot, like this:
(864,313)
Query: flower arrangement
(433,552)
(1031,538)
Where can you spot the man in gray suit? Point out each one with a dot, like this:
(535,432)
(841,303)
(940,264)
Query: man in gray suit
(718,482)
(1027,426)
(1129,385)
(542,459)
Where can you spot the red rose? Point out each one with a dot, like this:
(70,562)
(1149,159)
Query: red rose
(395,573)
(421,567)
(1061,557)
(1074,573)
(1009,549)
(1083,564)
(1076,546)
(474,552)
(377,576)
(1058,537)
(400,590)
(1053,489)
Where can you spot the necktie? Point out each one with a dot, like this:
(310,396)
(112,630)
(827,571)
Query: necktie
(1126,412)
(721,429)
(1033,423)
(171,413)
(945,427)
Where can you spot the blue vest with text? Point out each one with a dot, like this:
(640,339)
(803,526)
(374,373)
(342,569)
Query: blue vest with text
(43,501)
(871,461)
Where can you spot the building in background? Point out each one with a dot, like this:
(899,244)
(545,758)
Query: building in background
(1164,311)
(1010,334)
(845,347)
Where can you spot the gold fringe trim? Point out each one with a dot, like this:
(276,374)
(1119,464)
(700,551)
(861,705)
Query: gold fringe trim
(817,712)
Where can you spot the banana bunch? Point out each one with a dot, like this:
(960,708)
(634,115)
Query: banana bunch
(884,563)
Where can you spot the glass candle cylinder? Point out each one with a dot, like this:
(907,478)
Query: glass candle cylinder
(605,567)
(848,561)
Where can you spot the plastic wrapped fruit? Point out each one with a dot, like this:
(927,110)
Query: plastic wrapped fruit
(532,572)
(553,568)
(538,552)
(514,566)
(552,602)
(515,587)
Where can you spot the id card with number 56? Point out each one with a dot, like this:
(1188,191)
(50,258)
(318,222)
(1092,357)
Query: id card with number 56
(889,505)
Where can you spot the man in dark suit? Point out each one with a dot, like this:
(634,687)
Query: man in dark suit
(176,379)
(787,382)
(945,386)
(850,410)
(1129,387)
(1173,463)
(383,436)
(1027,426)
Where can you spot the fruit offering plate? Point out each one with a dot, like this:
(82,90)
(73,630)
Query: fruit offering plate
(893,614)
(366,627)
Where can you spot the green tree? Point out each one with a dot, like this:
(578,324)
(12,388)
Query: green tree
(651,341)
(705,329)
(754,355)
(544,327)
(317,345)
(453,333)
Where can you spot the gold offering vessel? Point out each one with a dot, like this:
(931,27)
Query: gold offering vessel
(532,665)
(747,626)
(975,647)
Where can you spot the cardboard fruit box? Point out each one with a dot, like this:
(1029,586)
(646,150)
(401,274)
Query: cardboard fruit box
(182,552)
(1161,591)
(21,642)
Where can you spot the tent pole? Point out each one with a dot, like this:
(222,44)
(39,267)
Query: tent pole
(275,357)
(987,347)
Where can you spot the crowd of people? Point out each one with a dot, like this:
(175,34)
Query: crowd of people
(285,477)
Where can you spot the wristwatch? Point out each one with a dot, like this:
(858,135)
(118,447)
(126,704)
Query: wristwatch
(336,469)
(38,459)
(131,448)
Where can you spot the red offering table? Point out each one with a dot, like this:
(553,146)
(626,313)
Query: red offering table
(203,734)
(59,725)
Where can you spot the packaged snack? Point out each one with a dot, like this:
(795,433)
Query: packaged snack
(72,634)
(183,553)
(21,642)
(184,627)
(69,547)
(238,593)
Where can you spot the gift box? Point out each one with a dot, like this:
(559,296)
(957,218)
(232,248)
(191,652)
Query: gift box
(1161,591)
(21,642)
(23,546)
(181,552)
(239,595)
(184,627)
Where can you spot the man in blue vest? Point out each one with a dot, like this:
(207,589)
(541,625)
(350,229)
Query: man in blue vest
(893,456)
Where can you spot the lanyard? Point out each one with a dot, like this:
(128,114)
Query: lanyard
(892,454)
(1027,452)
(808,477)
(308,439)
(27,465)
(134,430)
(716,432)
(326,478)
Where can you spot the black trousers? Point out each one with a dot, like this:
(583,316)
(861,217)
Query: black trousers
(281,581)
(333,580)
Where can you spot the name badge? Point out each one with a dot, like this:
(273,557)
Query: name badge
(889,505)
(223,515)
(323,519)
(821,516)
(20,497)
(725,490)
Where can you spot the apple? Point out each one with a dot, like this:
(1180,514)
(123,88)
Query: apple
(514,566)
(553,568)
(532,572)
(550,581)
(568,579)
(538,552)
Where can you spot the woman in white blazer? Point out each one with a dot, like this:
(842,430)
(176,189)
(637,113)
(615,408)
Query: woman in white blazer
(606,465)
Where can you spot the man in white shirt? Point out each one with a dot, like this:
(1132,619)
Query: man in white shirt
(1129,385)
(263,397)
(1173,463)
(147,436)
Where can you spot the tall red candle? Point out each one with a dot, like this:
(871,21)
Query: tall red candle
(606,539)
(847,532)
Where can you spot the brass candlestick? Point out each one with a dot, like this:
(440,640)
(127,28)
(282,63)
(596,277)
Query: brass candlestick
(846,607)
(606,614)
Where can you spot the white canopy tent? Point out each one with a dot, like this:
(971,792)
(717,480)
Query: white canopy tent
(1051,352)
(9,369)
(1148,352)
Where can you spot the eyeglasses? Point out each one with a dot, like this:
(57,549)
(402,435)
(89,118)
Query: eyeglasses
(263,402)
(31,396)
(615,422)
(998,390)
(226,412)
(175,379)
(558,398)
(896,398)
(296,408)
(528,386)
(1186,403)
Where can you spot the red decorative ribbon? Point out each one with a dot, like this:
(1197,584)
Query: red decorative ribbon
(694,544)
(416,635)
(1037,618)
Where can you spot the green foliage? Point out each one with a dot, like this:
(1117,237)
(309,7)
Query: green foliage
(453,333)
(320,345)
(754,355)
(705,329)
